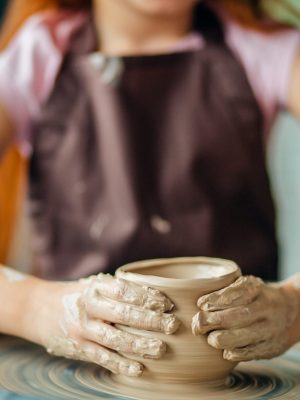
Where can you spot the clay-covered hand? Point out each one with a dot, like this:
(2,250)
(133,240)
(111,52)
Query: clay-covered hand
(76,320)
(248,319)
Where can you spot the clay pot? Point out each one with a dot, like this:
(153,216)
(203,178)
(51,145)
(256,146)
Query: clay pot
(189,359)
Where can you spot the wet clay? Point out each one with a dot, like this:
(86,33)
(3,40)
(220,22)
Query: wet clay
(189,359)
(84,333)
(22,363)
(242,320)
(12,275)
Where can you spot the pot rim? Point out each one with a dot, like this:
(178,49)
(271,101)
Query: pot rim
(127,271)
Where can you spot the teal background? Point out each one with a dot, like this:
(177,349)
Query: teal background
(284,166)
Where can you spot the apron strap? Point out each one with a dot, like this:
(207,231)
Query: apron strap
(208,24)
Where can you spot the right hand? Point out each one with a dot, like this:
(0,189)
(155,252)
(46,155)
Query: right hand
(76,320)
(249,319)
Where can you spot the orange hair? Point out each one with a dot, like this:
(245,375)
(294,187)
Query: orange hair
(249,14)
(246,12)
(18,11)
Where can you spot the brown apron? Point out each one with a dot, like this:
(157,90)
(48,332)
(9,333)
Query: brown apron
(164,159)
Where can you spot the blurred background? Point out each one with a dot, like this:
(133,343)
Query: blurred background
(2,8)
(284,166)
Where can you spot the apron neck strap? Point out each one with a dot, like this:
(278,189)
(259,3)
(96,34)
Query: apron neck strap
(208,24)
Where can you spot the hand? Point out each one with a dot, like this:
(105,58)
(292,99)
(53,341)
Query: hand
(248,319)
(75,320)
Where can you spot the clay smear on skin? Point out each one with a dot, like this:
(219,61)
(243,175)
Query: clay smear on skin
(12,275)
(71,309)
(70,348)
(65,345)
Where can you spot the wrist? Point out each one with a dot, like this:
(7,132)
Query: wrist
(34,315)
(15,296)
(45,310)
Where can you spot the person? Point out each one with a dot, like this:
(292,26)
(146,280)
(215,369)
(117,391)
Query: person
(146,124)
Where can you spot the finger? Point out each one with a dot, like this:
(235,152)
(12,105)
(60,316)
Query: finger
(263,350)
(241,337)
(109,336)
(238,317)
(119,313)
(243,291)
(105,285)
(91,352)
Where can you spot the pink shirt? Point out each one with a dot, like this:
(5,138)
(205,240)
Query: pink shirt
(29,66)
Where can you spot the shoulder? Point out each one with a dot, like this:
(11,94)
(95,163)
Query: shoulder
(43,37)
(30,64)
(267,59)
(57,25)
(259,44)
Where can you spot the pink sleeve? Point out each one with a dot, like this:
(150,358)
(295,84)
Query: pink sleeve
(29,66)
(267,59)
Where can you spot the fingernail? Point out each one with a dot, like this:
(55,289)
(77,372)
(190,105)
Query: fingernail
(195,325)
(157,302)
(170,323)
(200,323)
(134,370)
(214,339)
(205,306)
(149,348)
(229,355)
(156,349)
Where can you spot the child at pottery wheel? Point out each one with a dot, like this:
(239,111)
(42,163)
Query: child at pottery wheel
(145,124)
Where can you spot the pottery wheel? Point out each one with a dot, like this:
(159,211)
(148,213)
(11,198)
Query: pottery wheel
(27,370)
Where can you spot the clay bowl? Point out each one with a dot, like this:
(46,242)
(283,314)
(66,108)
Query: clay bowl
(189,359)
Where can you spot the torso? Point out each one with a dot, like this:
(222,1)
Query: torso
(165,160)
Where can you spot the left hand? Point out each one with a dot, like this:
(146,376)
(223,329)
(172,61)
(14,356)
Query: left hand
(248,319)
(77,320)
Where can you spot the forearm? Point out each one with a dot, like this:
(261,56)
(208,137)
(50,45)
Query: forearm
(16,292)
(76,319)
(27,304)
